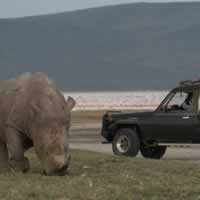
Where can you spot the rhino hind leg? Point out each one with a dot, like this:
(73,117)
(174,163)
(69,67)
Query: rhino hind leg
(17,161)
(4,164)
(19,165)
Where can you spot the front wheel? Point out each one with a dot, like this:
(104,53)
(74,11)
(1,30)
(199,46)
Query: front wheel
(126,142)
(155,152)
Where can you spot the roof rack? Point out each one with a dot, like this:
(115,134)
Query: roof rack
(189,82)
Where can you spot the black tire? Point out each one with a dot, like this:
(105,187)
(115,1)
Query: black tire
(156,152)
(126,142)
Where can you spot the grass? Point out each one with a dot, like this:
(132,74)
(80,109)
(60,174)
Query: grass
(95,176)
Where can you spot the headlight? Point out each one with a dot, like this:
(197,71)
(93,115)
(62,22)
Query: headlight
(108,118)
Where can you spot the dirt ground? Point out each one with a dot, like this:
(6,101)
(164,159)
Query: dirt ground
(88,137)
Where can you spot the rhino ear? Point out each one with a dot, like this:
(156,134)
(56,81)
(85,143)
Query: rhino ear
(70,103)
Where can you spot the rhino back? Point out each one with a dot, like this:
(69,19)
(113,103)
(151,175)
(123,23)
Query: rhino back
(38,101)
(28,100)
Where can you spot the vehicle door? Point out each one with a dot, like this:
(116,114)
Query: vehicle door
(174,121)
(196,135)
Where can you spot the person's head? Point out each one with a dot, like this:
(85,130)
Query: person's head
(188,100)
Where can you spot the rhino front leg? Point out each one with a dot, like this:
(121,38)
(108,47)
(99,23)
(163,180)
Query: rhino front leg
(4,165)
(15,147)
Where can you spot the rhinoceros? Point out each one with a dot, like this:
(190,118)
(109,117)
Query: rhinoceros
(34,113)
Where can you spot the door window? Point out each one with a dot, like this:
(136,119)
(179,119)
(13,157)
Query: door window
(180,101)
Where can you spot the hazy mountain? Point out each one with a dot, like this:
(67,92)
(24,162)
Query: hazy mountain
(126,47)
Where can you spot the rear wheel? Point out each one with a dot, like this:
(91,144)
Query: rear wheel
(155,152)
(126,142)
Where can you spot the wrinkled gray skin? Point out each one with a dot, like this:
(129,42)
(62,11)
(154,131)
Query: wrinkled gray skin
(34,113)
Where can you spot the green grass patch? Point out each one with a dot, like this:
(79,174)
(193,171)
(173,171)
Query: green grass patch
(95,176)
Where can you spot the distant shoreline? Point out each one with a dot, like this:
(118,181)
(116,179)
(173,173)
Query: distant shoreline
(132,100)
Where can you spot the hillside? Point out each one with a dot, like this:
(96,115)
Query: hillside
(125,47)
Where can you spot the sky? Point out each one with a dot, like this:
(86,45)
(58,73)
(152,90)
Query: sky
(20,8)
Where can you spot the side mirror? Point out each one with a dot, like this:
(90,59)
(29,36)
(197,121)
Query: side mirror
(163,109)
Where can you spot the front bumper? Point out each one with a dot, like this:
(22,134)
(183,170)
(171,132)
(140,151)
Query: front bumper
(107,135)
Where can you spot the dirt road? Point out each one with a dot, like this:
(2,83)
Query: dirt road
(89,138)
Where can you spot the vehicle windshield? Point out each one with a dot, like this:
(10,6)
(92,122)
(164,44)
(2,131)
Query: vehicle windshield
(178,101)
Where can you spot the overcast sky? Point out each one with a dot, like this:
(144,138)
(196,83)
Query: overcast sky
(19,8)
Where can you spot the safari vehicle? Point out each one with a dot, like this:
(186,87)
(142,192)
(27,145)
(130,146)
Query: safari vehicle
(175,121)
